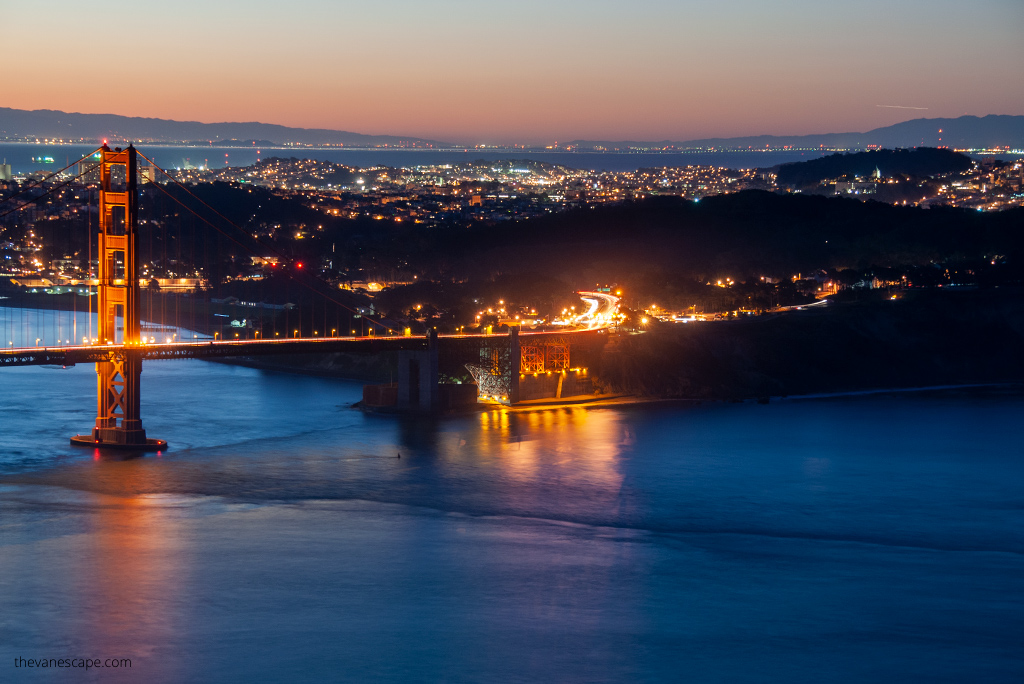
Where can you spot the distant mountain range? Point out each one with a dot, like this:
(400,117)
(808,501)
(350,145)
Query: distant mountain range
(963,132)
(973,132)
(48,123)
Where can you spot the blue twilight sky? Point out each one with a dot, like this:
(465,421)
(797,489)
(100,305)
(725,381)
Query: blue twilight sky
(520,71)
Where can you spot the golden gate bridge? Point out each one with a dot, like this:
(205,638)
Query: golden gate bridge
(500,364)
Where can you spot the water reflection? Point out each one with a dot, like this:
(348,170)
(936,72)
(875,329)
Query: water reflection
(713,543)
(133,572)
(572,442)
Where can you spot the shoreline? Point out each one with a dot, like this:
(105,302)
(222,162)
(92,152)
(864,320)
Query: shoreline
(598,401)
(902,390)
(625,400)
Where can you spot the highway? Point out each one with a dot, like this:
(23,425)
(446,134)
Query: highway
(603,307)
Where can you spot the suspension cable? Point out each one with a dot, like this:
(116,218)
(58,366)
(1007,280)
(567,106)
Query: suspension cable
(379,324)
(48,192)
(222,216)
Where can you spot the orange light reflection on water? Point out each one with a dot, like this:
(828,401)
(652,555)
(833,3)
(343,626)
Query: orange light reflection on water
(134,570)
(581,444)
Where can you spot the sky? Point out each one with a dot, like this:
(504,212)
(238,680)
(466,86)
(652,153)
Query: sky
(472,71)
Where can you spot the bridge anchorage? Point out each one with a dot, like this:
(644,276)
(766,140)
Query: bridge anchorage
(118,419)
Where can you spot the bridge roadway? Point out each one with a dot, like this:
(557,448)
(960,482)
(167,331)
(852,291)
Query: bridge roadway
(208,349)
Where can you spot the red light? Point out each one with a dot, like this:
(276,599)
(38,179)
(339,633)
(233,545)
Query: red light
(298,265)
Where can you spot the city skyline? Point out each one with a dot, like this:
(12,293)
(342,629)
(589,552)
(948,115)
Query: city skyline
(533,73)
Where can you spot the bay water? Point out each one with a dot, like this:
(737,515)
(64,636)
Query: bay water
(287,536)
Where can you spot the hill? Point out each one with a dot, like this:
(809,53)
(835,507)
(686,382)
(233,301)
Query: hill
(744,236)
(747,234)
(964,132)
(47,123)
(926,338)
(920,162)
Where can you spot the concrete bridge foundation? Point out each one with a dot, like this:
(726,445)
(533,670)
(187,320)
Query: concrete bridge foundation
(418,377)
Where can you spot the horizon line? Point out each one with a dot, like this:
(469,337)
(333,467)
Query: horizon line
(450,144)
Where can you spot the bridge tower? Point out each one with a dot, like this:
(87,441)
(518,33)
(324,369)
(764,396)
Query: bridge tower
(118,419)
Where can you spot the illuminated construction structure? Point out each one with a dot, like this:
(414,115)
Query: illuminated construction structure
(548,356)
(494,374)
(510,371)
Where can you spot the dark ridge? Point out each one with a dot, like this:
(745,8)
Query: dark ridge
(920,162)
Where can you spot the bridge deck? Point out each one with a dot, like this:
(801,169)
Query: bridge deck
(75,354)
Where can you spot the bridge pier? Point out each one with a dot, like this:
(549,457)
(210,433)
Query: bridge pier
(118,416)
(418,377)
(118,397)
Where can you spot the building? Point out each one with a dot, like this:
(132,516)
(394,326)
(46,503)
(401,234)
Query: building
(66,263)
(855,188)
(174,284)
(89,169)
(147,173)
